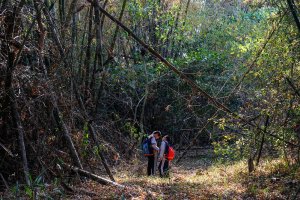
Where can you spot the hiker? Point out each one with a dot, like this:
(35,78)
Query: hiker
(164,162)
(153,149)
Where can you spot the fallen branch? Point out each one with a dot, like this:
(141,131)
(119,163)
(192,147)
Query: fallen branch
(92,176)
(105,181)
(7,150)
(4,181)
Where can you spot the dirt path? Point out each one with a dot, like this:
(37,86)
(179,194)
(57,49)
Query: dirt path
(198,179)
(195,178)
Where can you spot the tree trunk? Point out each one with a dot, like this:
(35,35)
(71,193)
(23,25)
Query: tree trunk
(21,134)
(99,49)
(170,42)
(93,132)
(262,141)
(88,52)
(250,165)
(290,82)
(292,6)
(70,12)
(113,42)
(56,112)
(16,119)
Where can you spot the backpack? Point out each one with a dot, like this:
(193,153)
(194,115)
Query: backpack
(146,147)
(170,152)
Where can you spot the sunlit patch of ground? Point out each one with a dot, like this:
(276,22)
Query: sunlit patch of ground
(272,180)
(195,179)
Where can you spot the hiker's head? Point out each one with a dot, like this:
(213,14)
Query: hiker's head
(156,134)
(166,138)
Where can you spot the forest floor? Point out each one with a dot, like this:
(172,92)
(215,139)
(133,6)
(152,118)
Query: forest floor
(193,179)
(199,179)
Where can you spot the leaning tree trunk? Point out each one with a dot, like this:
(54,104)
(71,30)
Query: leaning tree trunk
(56,112)
(292,6)
(262,141)
(93,132)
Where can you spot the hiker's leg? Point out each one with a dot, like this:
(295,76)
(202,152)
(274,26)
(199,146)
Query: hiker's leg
(155,163)
(160,169)
(166,168)
(150,168)
(152,165)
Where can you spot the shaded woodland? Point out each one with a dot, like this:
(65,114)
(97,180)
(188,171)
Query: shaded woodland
(84,81)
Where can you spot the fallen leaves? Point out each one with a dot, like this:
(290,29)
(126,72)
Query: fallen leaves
(193,183)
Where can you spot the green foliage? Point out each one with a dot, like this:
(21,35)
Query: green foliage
(226,149)
(29,190)
(85,140)
(133,131)
(16,190)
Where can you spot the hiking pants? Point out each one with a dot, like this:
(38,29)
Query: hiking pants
(164,168)
(150,168)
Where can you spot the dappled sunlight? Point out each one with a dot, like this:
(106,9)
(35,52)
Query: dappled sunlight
(218,181)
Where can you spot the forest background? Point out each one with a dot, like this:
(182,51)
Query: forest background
(83,82)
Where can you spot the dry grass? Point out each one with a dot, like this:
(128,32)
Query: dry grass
(273,179)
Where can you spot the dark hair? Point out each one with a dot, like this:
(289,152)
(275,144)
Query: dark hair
(157,132)
(167,138)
